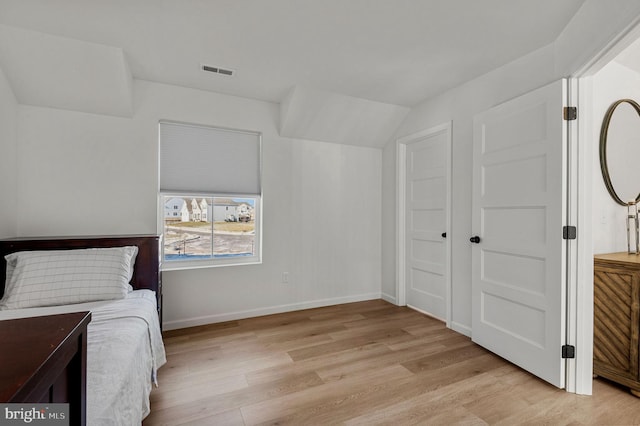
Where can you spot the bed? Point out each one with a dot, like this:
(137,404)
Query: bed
(124,341)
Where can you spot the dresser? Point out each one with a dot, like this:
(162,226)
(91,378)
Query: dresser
(616,318)
(44,360)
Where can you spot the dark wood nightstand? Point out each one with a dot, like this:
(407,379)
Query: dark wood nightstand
(44,359)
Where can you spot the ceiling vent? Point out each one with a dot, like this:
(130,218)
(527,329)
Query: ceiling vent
(218,70)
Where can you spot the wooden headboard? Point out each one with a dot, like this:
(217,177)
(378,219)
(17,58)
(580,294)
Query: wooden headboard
(147,266)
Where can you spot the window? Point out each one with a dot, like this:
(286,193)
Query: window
(210,194)
(226,236)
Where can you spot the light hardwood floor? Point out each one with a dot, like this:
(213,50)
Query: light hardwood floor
(360,363)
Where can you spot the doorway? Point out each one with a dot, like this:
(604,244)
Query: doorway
(424,209)
(613,76)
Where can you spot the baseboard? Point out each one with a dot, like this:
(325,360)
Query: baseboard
(460,328)
(425,313)
(389,298)
(231,316)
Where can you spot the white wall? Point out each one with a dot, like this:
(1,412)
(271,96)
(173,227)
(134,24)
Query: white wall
(613,82)
(86,174)
(8,168)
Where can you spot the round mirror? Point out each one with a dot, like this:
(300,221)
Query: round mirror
(620,151)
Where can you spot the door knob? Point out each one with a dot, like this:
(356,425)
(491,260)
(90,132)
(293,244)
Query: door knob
(444,235)
(475,239)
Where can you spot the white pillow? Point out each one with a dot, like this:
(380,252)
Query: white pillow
(62,277)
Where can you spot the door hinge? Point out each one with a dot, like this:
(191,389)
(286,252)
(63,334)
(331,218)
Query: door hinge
(569,232)
(570,113)
(568,351)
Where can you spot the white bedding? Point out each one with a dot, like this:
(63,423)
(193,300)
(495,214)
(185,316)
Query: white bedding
(124,351)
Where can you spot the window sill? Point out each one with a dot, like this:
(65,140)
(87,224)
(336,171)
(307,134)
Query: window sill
(169,265)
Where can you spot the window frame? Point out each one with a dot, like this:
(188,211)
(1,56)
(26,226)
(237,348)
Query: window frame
(176,265)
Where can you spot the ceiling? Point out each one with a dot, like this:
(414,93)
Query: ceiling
(630,57)
(396,52)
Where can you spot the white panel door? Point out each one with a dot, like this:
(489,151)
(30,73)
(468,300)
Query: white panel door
(427,199)
(519,208)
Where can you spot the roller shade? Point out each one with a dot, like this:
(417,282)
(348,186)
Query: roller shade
(207,160)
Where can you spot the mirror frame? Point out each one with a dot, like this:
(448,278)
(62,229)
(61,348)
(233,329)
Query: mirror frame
(603,148)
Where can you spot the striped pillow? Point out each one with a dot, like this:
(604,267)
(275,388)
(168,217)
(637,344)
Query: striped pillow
(62,277)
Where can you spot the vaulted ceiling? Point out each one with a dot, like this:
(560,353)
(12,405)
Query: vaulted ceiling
(83,54)
(630,57)
(398,52)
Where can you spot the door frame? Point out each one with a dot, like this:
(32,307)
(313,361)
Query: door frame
(401,238)
(580,269)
